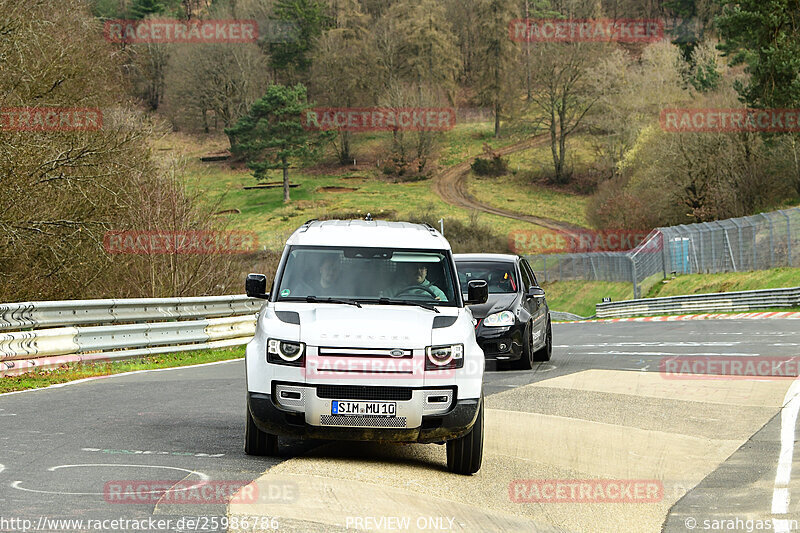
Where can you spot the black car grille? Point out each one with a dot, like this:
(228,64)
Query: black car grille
(360,392)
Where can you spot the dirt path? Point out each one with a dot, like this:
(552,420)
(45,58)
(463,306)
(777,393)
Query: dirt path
(451,186)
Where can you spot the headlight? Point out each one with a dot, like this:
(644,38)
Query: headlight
(286,352)
(442,357)
(503,318)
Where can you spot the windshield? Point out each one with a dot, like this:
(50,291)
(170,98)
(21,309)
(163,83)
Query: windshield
(365,274)
(499,276)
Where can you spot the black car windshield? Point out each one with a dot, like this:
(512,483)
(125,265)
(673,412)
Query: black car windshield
(498,275)
(381,275)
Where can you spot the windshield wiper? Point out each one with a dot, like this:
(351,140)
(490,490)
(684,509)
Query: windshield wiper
(314,299)
(389,301)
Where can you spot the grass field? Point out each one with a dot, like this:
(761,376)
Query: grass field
(45,378)
(580,297)
(515,193)
(329,189)
(727,282)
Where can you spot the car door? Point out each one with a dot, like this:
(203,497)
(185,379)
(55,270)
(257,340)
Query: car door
(537,306)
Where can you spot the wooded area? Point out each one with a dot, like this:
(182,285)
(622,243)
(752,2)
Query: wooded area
(62,190)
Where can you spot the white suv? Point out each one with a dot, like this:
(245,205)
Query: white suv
(365,336)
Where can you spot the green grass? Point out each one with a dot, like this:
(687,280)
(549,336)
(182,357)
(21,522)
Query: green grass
(515,193)
(264,212)
(727,282)
(72,372)
(580,297)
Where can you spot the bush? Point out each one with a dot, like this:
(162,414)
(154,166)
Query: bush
(496,166)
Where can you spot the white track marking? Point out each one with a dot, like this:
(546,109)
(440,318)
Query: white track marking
(780,494)
(2,467)
(665,354)
(203,478)
(59,385)
(653,344)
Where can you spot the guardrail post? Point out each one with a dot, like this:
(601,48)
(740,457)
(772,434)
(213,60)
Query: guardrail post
(636,289)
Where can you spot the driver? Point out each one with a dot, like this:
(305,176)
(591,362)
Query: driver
(326,282)
(416,277)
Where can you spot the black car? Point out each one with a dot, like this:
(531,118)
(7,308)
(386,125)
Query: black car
(514,323)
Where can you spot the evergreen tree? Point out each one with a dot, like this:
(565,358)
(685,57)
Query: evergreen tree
(272,135)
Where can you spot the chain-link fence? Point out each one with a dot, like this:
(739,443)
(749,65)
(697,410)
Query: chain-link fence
(766,240)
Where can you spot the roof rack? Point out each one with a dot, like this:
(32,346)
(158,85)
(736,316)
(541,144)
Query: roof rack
(430,228)
(306,224)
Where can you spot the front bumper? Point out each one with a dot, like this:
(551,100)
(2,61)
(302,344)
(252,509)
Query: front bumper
(297,422)
(503,343)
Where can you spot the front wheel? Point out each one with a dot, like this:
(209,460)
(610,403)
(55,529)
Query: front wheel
(528,357)
(465,454)
(257,442)
(546,351)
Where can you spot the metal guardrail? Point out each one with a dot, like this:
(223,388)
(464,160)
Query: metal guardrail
(118,329)
(719,302)
(74,312)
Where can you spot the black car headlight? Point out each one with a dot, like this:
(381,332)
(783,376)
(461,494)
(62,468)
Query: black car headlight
(444,357)
(286,352)
(503,318)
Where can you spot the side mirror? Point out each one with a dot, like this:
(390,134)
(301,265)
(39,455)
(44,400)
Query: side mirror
(535,292)
(256,286)
(477,292)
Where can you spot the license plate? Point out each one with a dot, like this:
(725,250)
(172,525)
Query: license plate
(339,407)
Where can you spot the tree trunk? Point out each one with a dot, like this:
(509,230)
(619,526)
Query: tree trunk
(497,118)
(286,198)
(796,164)
(527,56)
(554,147)
(345,157)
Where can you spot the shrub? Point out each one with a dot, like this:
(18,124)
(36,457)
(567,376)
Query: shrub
(496,166)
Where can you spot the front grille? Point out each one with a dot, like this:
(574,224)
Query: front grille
(363,421)
(374,353)
(362,392)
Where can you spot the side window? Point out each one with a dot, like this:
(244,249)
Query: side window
(527,267)
(527,281)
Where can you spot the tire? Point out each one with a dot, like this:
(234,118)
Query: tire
(257,442)
(465,454)
(526,360)
(546,351)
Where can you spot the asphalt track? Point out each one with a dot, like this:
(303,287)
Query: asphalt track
(600,410)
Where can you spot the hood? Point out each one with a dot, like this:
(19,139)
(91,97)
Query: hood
(369,327)
(495,304)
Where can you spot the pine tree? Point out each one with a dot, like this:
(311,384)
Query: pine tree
(272,135)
